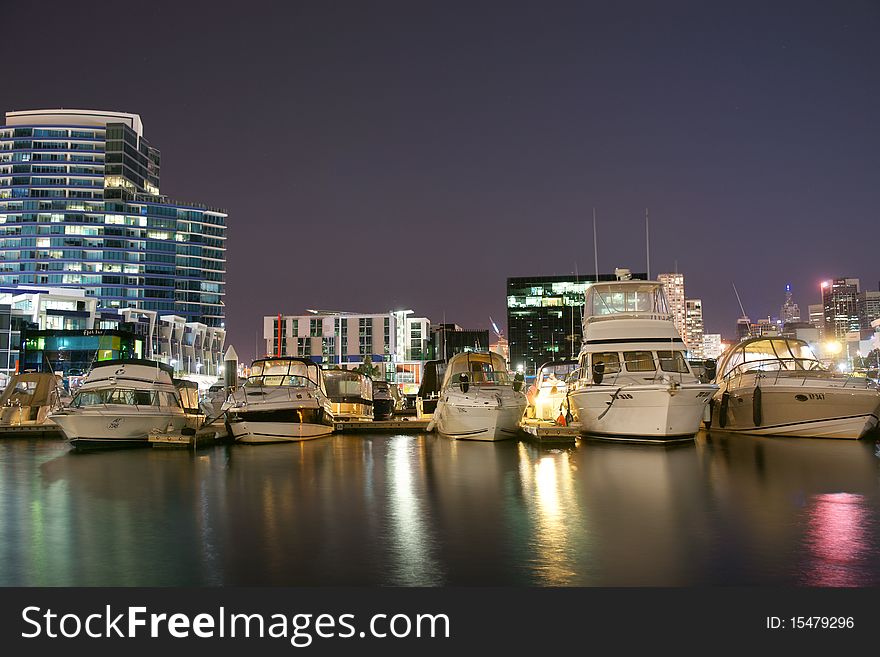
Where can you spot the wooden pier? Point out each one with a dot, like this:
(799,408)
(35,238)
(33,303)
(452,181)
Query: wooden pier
(409,425)
(208,436)
(32,431)
(549,433)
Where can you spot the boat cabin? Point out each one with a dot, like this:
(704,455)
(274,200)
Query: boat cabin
(626,300)
(479,367)
(289,372)
(769,354)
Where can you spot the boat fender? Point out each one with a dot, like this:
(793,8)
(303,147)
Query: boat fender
(722,410)
(757,407)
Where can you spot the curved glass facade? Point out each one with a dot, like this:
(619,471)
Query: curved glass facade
(80,207)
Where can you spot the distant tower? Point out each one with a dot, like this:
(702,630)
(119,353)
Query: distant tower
(790,311)
(674,286)
(694,324)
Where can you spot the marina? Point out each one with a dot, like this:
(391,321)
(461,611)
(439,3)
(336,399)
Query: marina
(422,510)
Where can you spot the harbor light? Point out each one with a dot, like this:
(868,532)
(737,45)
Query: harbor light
(833,347)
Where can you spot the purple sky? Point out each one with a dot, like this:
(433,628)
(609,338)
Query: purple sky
(377,155)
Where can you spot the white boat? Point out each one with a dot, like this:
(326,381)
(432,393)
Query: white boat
(548,395)
(283,400)
(351,395)
(28,400)
(121,403)
(634,383)
(776,386)
(478,399)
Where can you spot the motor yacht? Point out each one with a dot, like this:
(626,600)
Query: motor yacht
(284,399)
(478,399)
(633,381)
(28,400)
(351,395)
(776,386)
(121,403)
(383,401)
(548,395)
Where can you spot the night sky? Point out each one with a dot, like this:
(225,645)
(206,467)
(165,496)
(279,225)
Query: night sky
(379,155)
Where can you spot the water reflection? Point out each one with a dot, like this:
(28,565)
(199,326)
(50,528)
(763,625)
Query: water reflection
(425,510)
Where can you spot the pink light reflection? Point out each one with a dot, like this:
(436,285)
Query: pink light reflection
(836,540)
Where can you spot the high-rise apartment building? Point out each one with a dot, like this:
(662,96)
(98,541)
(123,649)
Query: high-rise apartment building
(674,287)
(712,345)
(843,308)
(872,305)
(394,341)
(817,318)
(790,312)
(694,327)
(80,207)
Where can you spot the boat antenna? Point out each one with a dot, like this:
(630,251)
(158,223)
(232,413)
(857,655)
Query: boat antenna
(595,247)
(648,243)
(739,301)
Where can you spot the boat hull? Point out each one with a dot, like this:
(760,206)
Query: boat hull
(280,426)
(798,411)
(641,413)
(473,419)
(94,431)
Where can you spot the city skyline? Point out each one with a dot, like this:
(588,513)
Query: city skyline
(349,142)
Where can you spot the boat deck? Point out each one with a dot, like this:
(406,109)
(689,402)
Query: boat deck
(550,433)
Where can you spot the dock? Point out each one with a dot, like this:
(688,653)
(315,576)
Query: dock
(32,431)
(207,436)
(549,433)
(409,425)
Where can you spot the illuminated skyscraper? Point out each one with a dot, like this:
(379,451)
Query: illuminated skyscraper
(790,312)
(694,327)
(674,286)
(843,308)
(80,207)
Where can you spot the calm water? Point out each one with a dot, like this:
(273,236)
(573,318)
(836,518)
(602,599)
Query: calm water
(424,510)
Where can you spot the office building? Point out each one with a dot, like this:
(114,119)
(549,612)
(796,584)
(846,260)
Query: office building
(80,207)
(817,318)
(694,327)
(450,339)
(544,318)
(872,305)
(843,306)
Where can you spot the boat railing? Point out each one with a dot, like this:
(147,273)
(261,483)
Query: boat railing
(589,319)
(817,371)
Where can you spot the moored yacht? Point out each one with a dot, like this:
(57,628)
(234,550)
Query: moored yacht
(478,400)
(634,383)
(284,399)
(351,395)
(121,403)
(28,400)
(776,386)
(548,395)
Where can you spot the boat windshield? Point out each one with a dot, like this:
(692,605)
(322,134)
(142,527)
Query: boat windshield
(626,298)
(291,373)
(480,368)
(555,374)
(770,355)
(343,384)
(120,396)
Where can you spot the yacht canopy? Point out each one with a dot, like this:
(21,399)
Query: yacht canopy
(346,384)
(644,299)
(285,371)
(480,366)
(768,354)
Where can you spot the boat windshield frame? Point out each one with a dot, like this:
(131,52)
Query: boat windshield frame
(277,379)
(491,376)
(626,300)
(781,360)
